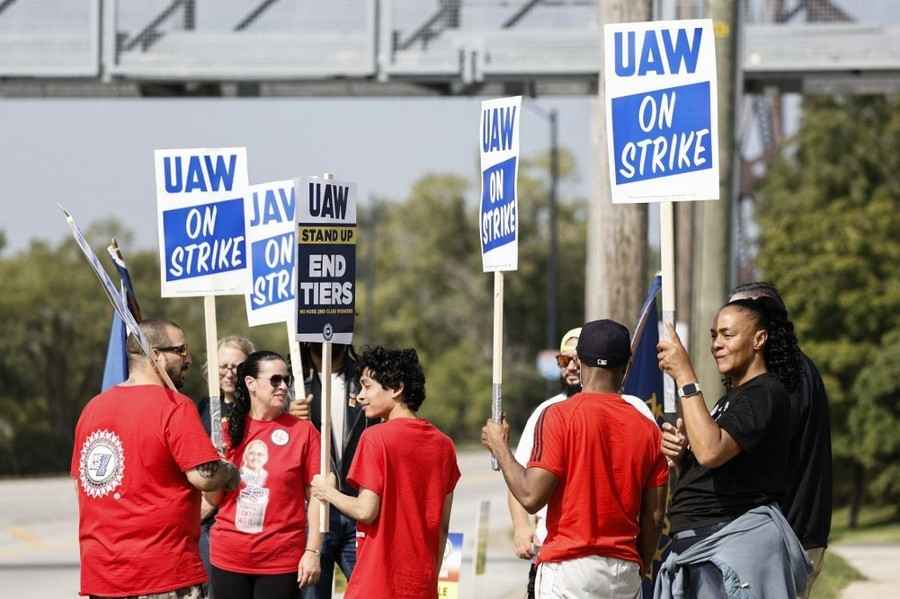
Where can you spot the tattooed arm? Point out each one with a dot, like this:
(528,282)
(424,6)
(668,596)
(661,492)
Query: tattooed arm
(214,476)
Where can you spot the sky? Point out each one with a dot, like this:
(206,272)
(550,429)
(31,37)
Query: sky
(95,156)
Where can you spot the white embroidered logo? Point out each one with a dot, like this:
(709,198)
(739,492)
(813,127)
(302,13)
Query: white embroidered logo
(102,463)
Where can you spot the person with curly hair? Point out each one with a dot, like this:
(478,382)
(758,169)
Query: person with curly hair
(406,471)
(807,500)
(259,543)
(726,524)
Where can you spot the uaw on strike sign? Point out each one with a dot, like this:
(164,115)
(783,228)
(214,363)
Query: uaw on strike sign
(661,111)
(326,260)
(271,252)
(498,220)
(200,204)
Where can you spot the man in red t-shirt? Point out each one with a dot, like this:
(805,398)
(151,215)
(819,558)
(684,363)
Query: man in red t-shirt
(139,459)
(406,471)
(597,464)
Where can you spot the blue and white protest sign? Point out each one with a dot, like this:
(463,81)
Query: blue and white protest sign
(200,204)
(498,219)
(326,260)
(271,252)
(661,111)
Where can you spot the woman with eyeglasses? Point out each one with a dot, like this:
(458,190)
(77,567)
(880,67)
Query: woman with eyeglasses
(728,533)
(232,350)
(259,543)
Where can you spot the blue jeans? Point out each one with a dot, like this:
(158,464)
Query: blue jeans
(338,548)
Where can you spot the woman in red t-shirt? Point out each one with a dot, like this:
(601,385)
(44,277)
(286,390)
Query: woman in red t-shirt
(259,546)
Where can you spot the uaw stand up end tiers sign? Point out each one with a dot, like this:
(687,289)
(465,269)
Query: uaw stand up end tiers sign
(661,108)
(326,260)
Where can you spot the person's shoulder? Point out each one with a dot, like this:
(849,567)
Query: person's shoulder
(546,404)
(641,406)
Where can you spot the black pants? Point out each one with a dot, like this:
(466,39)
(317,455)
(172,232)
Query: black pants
(234,585)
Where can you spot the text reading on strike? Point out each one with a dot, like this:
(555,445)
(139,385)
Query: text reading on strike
(661,133)
(498,206)
(273,270)
(204,240)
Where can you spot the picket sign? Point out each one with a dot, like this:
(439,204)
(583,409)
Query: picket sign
(498,222)
(115,297)
(662,128)
(202,239)
(272,265)
(321,315)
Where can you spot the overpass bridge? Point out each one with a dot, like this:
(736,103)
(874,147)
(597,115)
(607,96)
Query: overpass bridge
(406,47)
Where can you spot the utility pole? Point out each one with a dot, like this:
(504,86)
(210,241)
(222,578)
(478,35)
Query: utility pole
(553,258)
(712,220)
(617,234)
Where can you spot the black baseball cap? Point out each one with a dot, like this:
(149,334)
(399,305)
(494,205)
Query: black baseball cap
(604,344)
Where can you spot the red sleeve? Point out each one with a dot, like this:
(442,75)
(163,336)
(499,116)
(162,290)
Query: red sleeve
(312,458)
(454,474)
(659,471)
(549,451)
(368,467)
(186,439)
(75,465)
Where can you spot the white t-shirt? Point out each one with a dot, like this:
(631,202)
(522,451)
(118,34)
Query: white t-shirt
(526,442)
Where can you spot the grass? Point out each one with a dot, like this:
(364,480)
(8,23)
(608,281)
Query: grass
(836,574)
(876,525)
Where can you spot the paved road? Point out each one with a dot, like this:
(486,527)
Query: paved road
(39,547)
(880,564)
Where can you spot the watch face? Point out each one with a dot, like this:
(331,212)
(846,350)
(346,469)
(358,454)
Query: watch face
(690,389)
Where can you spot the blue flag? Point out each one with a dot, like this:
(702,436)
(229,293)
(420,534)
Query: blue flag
(116,368)
(644,379)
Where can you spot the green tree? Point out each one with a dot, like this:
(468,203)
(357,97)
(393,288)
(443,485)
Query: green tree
(829,213)
(430,292)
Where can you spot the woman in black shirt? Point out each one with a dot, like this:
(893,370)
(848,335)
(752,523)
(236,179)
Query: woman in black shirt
(733,459)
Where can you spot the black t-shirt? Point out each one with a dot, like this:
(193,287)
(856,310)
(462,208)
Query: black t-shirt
(203,410)
(757,416)
(807,499)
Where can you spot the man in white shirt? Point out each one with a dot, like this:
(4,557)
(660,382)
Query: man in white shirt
(529,532)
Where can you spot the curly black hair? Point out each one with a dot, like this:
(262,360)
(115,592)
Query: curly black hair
(395,367)
(781,352)
(237,422)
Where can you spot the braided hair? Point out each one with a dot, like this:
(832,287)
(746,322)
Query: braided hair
(237,422)
(781,352)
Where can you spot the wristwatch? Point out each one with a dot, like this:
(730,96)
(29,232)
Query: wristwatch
(689,390)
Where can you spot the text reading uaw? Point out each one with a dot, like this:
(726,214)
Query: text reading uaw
(328,279)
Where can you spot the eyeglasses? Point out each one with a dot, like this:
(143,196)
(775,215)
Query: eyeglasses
(223,368)
(276,379)
(181,350)
(563,361)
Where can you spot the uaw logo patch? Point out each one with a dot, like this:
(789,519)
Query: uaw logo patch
(102,463)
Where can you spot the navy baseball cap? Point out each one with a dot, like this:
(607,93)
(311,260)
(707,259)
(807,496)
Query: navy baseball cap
(604,344)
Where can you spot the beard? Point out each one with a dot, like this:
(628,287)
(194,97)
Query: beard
(177,376)
(568,389)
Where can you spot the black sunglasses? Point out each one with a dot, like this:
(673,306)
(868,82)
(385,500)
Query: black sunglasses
(276,379)
(181,350)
